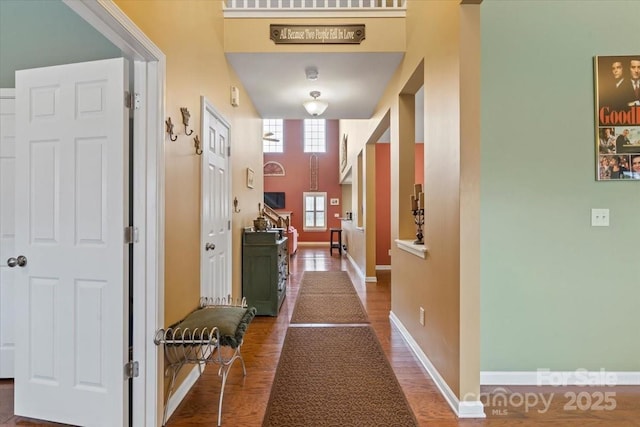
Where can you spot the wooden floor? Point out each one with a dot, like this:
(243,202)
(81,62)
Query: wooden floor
(245,399)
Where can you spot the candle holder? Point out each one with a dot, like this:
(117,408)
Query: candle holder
(418,215)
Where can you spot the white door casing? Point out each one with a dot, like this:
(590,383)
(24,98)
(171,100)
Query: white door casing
(71,211)
(7,231)
(215,258)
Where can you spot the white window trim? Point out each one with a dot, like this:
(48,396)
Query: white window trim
(304,136)
(304,210)
(277,134)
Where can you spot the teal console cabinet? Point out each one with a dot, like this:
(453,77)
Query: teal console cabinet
(265,268)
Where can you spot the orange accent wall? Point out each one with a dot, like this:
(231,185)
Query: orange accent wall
(383,204)
(383,197)
(297,176)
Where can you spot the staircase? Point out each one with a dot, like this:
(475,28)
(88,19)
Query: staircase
(274,218)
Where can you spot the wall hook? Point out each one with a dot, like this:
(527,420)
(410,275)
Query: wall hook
(196,143)
(235,205)
(185,119)
(170,129)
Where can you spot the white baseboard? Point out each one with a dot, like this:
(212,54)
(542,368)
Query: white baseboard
(466,409)
(383,267)
(355,266)
(371,279)
(313,244)
(579,377)
(471,409)
(182,391)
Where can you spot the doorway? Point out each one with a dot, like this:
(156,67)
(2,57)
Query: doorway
(148,250)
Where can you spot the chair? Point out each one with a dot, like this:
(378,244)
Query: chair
(335,245)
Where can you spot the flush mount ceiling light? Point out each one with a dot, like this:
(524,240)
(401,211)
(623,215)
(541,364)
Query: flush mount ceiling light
(311,73)
(315,107)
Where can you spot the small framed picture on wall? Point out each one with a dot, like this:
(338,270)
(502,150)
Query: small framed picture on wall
(250,175)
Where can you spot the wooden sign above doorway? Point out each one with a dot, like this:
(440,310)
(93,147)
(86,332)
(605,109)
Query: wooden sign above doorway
(317,34)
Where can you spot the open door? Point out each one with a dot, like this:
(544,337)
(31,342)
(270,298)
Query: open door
(71,288)
(7,230)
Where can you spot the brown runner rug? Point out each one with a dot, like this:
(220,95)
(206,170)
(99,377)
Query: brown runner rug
(328,297)
(335,376)
(326,282)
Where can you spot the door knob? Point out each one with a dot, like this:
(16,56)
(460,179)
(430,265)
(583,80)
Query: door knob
(209,247)
(21,261)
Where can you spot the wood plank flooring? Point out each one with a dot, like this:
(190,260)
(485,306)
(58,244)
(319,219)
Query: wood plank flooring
(245,398)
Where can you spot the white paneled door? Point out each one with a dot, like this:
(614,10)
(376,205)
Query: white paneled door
(7,231)
(215,280)
(71,296)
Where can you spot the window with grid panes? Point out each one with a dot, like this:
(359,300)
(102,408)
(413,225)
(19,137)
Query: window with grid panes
(315,211)
(272,139)
(315,140)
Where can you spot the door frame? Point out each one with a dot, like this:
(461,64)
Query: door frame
(148,204)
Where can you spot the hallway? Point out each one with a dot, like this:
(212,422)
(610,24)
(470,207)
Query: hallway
(246,399)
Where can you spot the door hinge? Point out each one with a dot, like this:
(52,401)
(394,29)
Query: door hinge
(130,235)
(228,151)
(131,369)
(229,224)
(132,100)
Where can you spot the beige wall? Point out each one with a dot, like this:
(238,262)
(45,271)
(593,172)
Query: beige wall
(434,34)
(193,35)
(470,200)
(190,33)
(251,35)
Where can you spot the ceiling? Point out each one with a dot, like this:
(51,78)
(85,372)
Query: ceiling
(352,83)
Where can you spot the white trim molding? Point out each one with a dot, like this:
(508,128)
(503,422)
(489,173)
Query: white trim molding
(465,409)
(177,397)
(355,266)
(546,377)
(409,246)
(7,92)
(315,9)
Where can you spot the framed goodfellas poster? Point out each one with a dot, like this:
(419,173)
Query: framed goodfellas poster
(617,88)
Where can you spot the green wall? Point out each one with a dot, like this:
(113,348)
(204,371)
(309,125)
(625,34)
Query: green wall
(38,33)
(556,292)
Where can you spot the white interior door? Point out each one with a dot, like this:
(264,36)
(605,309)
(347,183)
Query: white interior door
(7,230)
(71,207)
(215,260)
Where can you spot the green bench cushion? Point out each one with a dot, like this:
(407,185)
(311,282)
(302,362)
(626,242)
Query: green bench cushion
(232,322)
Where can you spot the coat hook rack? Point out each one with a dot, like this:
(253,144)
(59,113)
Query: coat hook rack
(196,143)
(235,205)
(185,119)
(170,129)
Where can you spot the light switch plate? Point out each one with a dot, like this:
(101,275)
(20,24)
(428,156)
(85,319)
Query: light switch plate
(599,217)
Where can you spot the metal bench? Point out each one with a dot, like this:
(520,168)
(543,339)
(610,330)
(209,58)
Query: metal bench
(199,338)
